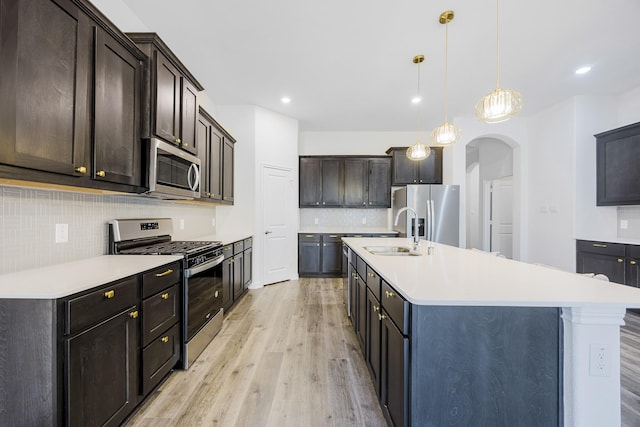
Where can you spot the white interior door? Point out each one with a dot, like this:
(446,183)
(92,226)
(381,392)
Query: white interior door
(502,216)
(277,221)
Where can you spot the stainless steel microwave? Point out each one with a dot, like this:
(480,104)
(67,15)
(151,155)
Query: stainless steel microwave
(173,173)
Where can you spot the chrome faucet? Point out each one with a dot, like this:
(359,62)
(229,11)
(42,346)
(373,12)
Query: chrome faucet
(416,234)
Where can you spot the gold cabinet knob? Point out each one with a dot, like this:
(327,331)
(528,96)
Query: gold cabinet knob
(109,294)
(371,275)
(620,260)
(101,173)
(134,314)
(212,195)
(165,295)
(165,273)
(632,262)
(165,339)
(389,294)
(208,194)
(376,308)
(184,145)
(381,316)
(178,141)
(81,169)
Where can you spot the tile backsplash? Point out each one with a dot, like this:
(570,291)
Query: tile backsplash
(28,217)
(344,218)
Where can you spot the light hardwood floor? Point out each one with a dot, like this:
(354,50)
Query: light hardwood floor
(286,356)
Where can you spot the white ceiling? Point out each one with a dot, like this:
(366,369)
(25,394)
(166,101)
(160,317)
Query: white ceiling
(347,64)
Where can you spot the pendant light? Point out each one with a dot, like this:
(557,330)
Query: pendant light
(446,133)
(418,151)
(501,104)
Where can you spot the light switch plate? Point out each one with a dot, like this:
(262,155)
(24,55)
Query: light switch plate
(62,233)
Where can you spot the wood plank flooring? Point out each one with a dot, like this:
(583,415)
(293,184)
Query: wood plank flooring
(286,356)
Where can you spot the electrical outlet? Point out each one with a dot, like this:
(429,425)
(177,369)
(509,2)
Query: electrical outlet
(62,233)
(315,221)
(213,222)
(364,220)
(624,224)
(182,224)
(599,360)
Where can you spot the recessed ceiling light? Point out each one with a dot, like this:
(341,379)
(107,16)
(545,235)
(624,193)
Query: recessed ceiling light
(285,100)
(416,100)
(583,70)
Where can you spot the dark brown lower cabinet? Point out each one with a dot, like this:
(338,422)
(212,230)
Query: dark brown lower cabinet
(238,269)
(246,268)
(159,357)
(227,283)
(374,327)
(601,258)
(353,294)
(394,372)
(361,324)
(101,370)
(331,255)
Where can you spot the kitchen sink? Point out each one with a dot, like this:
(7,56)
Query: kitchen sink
(392,251)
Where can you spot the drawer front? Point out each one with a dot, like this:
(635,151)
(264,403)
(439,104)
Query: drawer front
(326,238)
(633,251)
(159,312)
(602,248)
(160,278)
(248,243)
(305,237)
(373,282)
(159,357)
(396,306)
(361,267)
(101,304)
(227,251)
(238,247)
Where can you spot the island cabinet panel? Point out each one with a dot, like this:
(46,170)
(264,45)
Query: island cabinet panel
(395,380)
(373,337)
(361,304)
(486,366)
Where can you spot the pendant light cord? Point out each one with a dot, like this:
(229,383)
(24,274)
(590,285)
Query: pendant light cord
(497,45)
(446,72)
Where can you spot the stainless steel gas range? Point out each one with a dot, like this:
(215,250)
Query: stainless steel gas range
(201,276)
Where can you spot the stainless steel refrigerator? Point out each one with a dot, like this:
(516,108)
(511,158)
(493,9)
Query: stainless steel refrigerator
(438,210)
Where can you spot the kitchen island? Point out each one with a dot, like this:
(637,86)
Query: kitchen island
(482,340)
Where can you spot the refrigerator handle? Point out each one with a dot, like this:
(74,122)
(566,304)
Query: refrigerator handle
(428,233)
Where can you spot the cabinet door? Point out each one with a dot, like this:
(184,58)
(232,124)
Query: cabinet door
(361,328)
(117,107)
(203,143)
(167,100)
(394,384)
(355,182)
(247,268)
(308,257)
(332,182)
(227,171)
(353,295)
(632,273)
(372,353)
(310,182)
(331,256)
(45,64)
(188,116)
(601,258)
(214,158)
(430,169)
(405,171)
(227,283)
(379,183)
(617,166)
(238,280)
(101,370)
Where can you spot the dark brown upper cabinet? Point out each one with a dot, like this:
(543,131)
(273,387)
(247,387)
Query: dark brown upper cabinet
(69,97)
(321,182)
(618,175)
(405,171)
(215,150)
(170,108)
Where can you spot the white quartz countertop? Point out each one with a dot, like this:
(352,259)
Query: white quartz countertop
(347,230)
(226,238)
(454,276)
(60,280)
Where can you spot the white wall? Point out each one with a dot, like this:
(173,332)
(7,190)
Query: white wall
(354,143)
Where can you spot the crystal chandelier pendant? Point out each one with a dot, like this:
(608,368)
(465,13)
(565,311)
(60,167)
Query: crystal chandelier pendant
(418,151)
(446,134)
(499,106)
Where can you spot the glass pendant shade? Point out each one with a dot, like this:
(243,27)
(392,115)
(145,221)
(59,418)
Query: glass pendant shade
(499,106)
(418,151)
(446,134)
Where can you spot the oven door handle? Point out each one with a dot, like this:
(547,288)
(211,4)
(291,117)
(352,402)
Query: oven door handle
(202,267)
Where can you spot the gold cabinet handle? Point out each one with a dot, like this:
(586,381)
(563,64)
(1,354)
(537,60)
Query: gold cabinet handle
(212,195)
(178,141)
(232,260)
(134,314)
(166,273)
(165,295)
(376,308)
(333,235)
(599,245)
(208,194)
(317,244)
(381,316)
(227,248)
(371,275)
(309,235)
(101,174)
(620,260)
(81,169)
(389,294)
(632,262)
(184,144)
(110,294)
(165,339)
(324,244)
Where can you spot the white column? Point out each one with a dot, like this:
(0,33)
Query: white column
(592,365)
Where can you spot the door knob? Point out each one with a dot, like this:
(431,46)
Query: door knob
(268,232)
